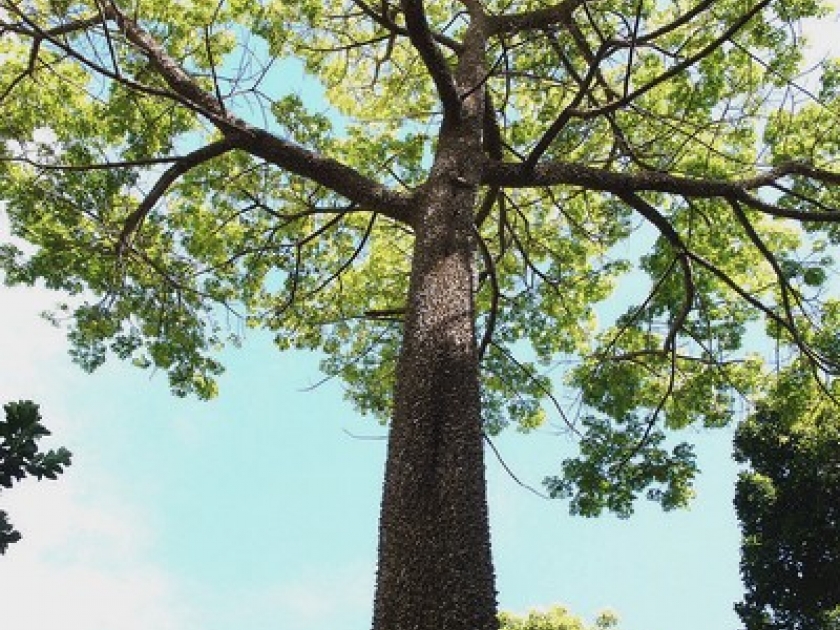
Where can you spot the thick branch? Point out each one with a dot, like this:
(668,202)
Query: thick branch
(423,40)
(323,170)
(516,175)
(57,36)
(539,19)
(174,75)
(169,177)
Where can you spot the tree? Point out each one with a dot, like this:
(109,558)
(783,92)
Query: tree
(19,456)
(788,503)
(442,209)
(554,618)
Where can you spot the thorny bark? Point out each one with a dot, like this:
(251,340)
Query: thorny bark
(435,566)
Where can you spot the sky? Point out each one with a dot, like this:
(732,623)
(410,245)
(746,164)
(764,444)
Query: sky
(258,510)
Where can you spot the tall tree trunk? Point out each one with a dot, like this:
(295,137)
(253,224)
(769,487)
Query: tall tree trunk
(435,567)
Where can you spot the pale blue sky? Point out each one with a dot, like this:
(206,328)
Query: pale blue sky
(258,511)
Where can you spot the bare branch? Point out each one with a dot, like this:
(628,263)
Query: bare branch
(676,69)
(675,240)
(634,40)
(53,36)
(545,391)
(568,112)
(495,294)
(784,323)
(685,18)
(212,62)
(510,473)
(389,314)
(787,169)
(350,259)
(784,286)
(57,31)
(387,22)
(95,166)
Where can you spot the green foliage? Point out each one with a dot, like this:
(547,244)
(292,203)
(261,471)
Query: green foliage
(616,464)
(19,456)
(554,618)
(244,239)
(788,503)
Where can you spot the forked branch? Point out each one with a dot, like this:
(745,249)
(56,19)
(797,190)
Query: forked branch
(170,176)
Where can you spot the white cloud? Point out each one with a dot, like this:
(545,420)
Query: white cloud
(86,561)
(337,597)
(44,135)
(31,346)
(91,554)
(43,148)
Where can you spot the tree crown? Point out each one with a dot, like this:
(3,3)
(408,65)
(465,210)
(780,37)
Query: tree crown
(165,167)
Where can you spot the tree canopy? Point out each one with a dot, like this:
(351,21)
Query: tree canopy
(788,503)
(482,213)
(164,166)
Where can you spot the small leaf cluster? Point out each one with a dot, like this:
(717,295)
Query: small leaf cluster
(620,460)
(555,618)
(19,456)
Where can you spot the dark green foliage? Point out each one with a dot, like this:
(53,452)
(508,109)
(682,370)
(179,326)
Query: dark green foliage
(19,456)
(788,503)
(618,464)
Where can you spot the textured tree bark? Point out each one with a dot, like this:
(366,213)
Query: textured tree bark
(435,566)
(435,569)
